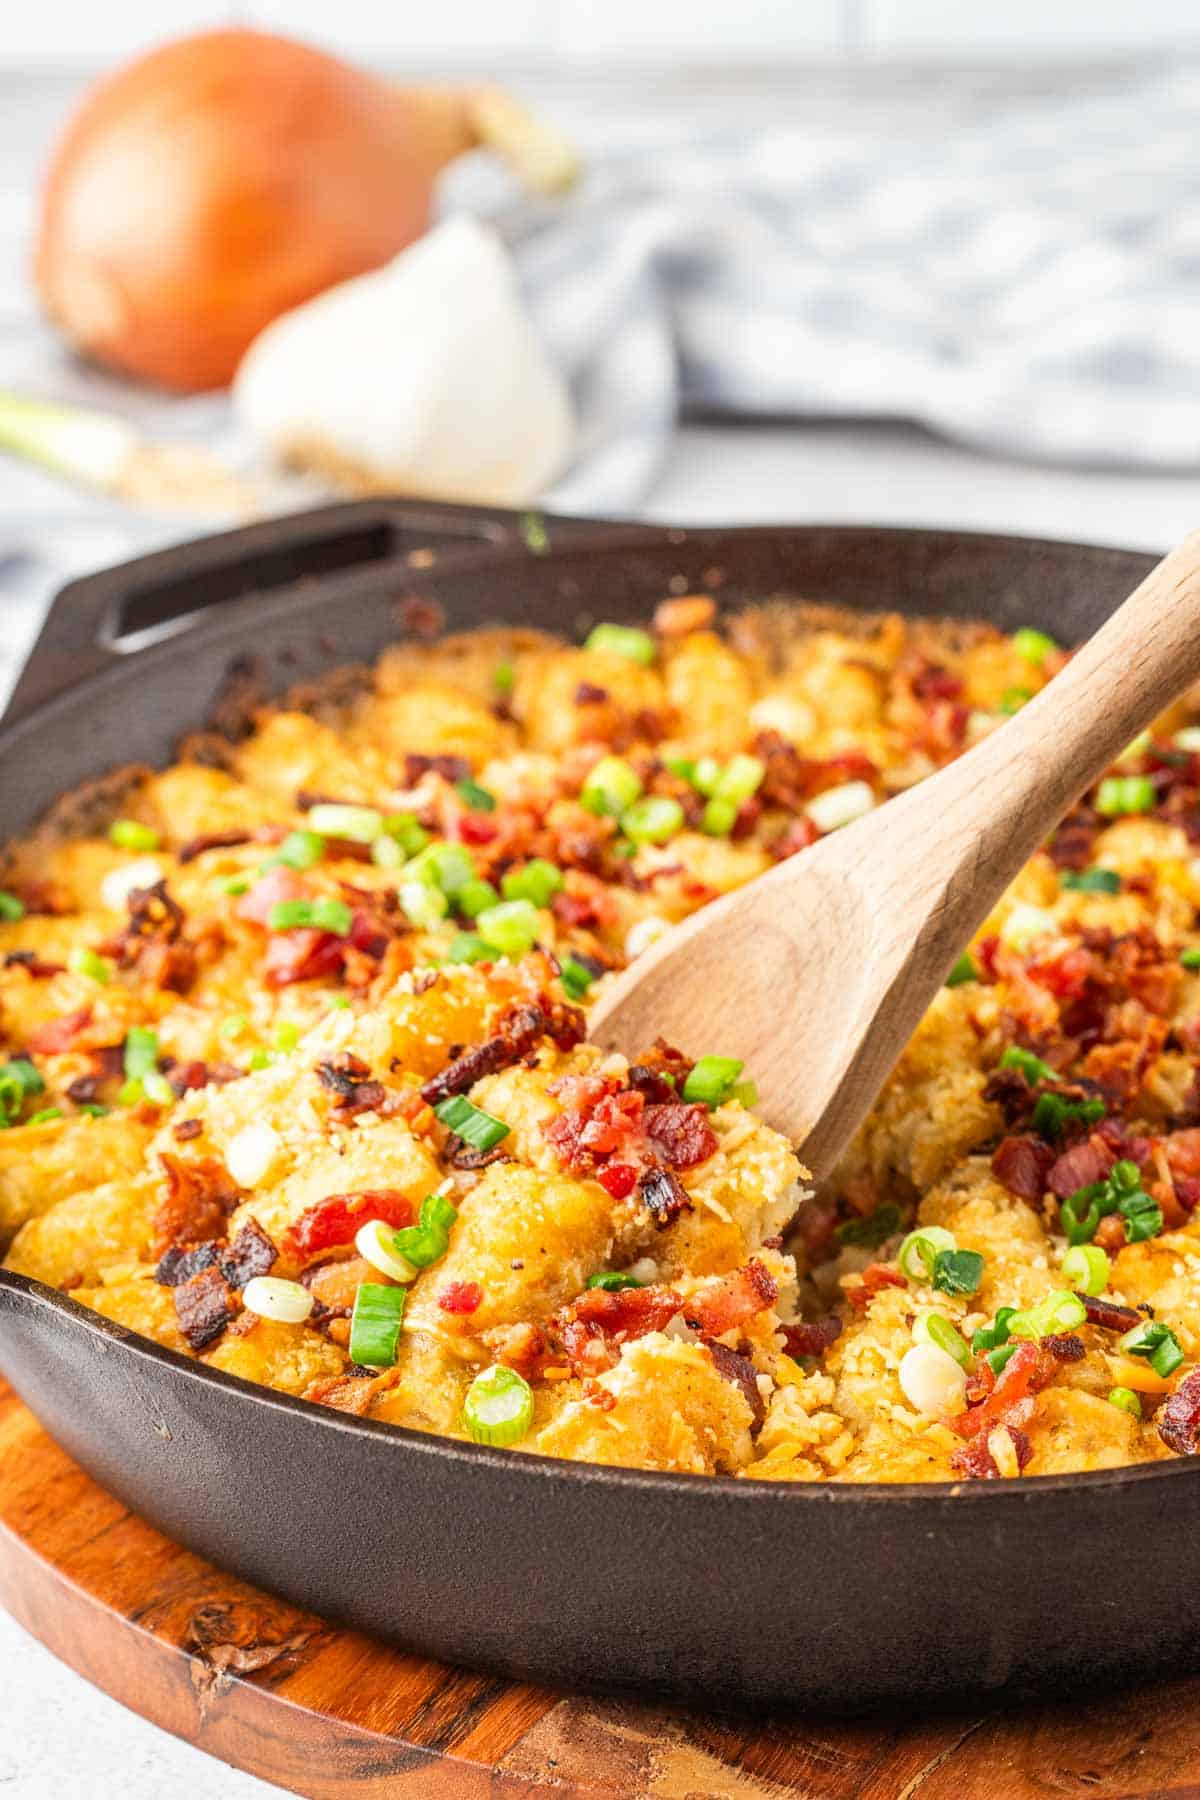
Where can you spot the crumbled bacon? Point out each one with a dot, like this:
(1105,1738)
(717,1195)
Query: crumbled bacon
(32,963)
(185,1129)
(350,1079)
(249,1255)
(337,1219)
(680,1134)
(450,768)
(619,1180)
(1022,1165)
(874,1277)
(796,835)
(461,1297)
(975,1461)
(1073,844)
(212,840)
(1011,1399)
(1079,1167)
(1108,1315)
(738,1369)
(1064,1346)
(178,1266)
(204,1306)
(60,1034)
(732,1299)
(352,1392)
(811,1337)
(199,1197)
(664,1195)
(593,1327)
(303,954)
(517,1030)
(1179,1418)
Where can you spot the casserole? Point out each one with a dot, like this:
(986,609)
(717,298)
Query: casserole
(734,1659)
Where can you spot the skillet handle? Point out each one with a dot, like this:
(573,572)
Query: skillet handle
(101,617)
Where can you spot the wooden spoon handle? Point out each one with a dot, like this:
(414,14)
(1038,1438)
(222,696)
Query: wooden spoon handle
(988,811)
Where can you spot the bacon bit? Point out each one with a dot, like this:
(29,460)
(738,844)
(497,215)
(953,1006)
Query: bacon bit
(212,840)
(1183,1155)
(975,1460)
(588,694)
(1011,1399)
(1022,1165)
(654,1087)
(461,1297)
(350,1079)
(337,1219)
(732,1300)
(796,835)
(663,1194)
(153,917)
(351,1393)
(201,1193)
(874,1277)
(1064,1346)
(811,1337)
(60,1034)
(44,897)
(186,1078)
(593,1327)
(450,768)
(740,1371)
(461,1155)
(519,1347)
(517,1030)
(1073,843)
(619,1180)
(31,962)
(185,1129)
(680,1134)
(204,1306)
(178,1266)
(1179,1418)
(1108,1315)
(1079,1167)
(302,955)
(686,613)
(593,1393)
(277,885)
(476,828)
(250,1254)
(1110,1234)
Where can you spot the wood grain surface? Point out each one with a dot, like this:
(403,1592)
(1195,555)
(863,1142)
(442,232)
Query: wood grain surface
(331,1715)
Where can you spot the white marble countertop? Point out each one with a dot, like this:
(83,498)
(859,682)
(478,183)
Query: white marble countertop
(59,1734)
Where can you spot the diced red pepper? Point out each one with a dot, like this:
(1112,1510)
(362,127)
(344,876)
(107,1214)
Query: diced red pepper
(337,1220)
(619,1180)
(461,1297)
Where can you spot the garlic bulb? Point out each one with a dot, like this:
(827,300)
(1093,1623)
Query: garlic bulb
(424,377)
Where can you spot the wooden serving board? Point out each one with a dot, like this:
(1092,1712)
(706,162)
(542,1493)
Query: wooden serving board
(334,1716)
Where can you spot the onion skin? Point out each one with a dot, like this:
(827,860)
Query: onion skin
(214,183)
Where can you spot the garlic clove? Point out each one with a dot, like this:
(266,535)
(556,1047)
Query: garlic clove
(424,377)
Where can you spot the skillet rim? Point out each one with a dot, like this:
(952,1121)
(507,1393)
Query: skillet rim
(610,538)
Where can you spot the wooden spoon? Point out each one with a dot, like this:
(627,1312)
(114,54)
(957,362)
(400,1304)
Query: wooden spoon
(817,973)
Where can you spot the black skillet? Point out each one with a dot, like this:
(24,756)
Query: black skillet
(735,1592)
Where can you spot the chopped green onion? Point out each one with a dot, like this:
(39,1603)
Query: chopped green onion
(745,1093)
(504,678)
(234,884)
(471,1123)
(1121,794)
(426,1242)
(957,1271)
(235,1026)
(963,971)
(375,1325)
(920,1250)
(741,777)
(1091,881)
(448,867)
(1080,1214)
(476,797)
(936,1329)
(537,881)
(387,853)
(652,819)
(358,824)
(1157,1343)
(1014,698)
(258,1059)
(576,979)
(408,832)
(93,1109)
(475,896)
(720,816)
(89,963)
(998,1360)
(623,640)
(706,775)
(299,850)
(1032,1067)
(610,787)
(990,1337)
(1052,1112)
(22,1071)
(11,909)
(322,914)
(128,834)
(498,1409)
(129,1093)
(1087,1268)
(612,1281)
(1033,646)
(424,905)
(511,928)
(712,1079)
(872,1230)
(287,1035)
(1058,1311)
(1142,1215)
(158,1089)
(340,1001)
(44,1117)
(1127,1400)
(684,767)
(141,1051)
(468,947)
(1190,958)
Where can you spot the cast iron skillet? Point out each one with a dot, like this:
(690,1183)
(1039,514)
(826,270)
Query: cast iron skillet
(738,1592)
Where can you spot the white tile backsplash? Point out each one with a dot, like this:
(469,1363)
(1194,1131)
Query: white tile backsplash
(1024,27)
(396,33)
(69,32)
(700,32)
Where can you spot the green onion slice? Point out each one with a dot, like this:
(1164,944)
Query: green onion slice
(610,787)
(1118,795)
(474,897)
(990,1337)
(1032,1067)
(712,1080)
(129,834)
(623,640)
(375,1325)
(44,1117)
(537,881)
(963,971)
(1058,1311)
(323,914)
(1190,958)
(957,1271)
(447,867)
(11,909)
(1087,1268)
(471,1123)
(141,1052)
(468,947)
(1157,1343)
(720,816)
(612,1281)
(299,850)
(1033,646)
(498,1408)
(576,978)
(511,928)
(358,824)
(652,819)
(88,962)
(407,831)
(476,797)
(1091,881)
(936,1329)
(874,1229)
(1127,1400)
(921,1249)
(426,1242)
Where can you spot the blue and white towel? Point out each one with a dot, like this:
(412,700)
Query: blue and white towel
(1026,280)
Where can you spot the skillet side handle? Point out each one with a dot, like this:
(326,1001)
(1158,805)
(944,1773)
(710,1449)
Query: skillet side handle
(101,617)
